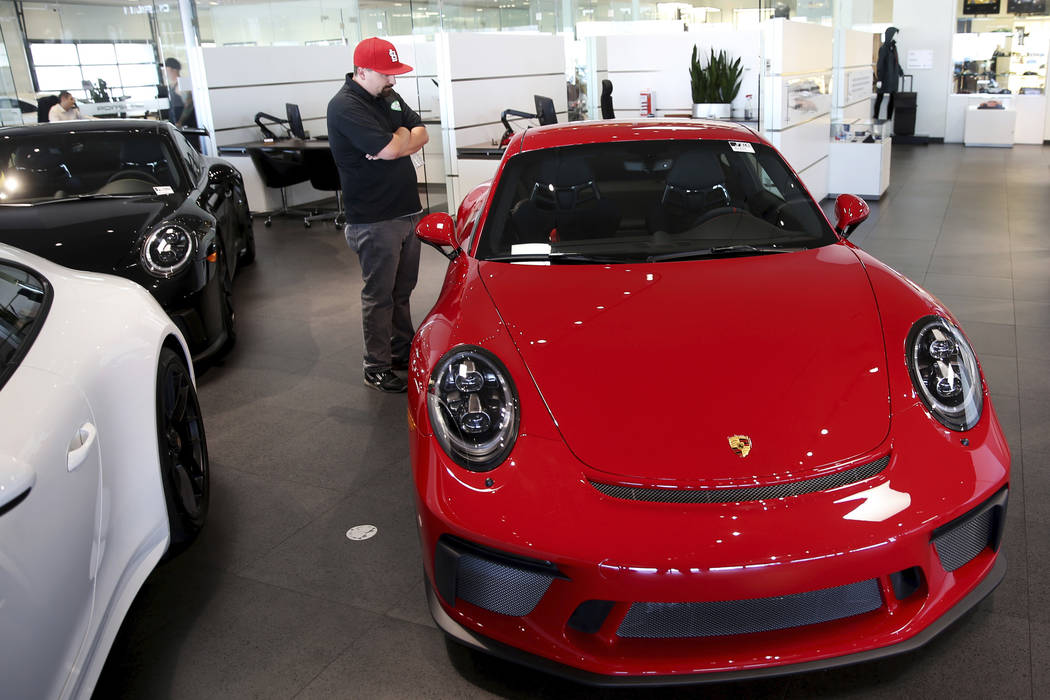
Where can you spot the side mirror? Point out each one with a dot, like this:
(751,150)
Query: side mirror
(438,230)
(850,212)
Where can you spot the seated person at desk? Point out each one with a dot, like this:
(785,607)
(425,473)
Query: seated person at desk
(65,110)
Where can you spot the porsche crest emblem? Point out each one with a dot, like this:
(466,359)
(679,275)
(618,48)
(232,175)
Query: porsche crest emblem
(741,444)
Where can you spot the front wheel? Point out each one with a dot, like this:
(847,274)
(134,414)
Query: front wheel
(247,256)
(183,451)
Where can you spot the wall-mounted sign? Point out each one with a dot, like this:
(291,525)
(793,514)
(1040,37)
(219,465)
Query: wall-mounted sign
(858,85)
(919,59)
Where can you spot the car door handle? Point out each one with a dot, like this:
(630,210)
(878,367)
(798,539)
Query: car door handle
(80,445)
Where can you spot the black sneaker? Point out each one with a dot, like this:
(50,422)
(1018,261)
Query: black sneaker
(399,365)
(385,380)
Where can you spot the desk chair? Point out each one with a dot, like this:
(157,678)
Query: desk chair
(279,168)
(43,107)
(324,175)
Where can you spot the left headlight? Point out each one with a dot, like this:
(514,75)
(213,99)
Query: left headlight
(944,371)
(473,408)
(167,250)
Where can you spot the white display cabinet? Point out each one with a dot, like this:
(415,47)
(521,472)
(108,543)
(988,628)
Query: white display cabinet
(990,127)
(860,168)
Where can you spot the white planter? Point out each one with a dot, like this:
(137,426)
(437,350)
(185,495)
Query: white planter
(711,111)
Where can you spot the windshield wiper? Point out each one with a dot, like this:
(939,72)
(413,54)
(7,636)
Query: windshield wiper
(554,258)
(723,250)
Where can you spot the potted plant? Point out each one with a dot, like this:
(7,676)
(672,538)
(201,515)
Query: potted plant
(714,86)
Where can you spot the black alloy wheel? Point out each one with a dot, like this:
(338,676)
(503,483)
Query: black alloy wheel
(183,451)
(229,317)
(247,256)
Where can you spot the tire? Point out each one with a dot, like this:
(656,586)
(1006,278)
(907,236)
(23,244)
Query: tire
(183,451)
(229,317)
(247,256)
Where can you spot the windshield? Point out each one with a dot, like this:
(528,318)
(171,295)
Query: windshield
(649,201)
(56,166)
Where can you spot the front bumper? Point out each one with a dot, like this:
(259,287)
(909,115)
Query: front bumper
(609,558)
(477,641)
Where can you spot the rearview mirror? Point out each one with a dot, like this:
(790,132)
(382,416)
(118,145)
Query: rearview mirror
(850,212)
(438,230)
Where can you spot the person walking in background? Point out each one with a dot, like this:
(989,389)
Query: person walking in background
(372,133)
(180,94)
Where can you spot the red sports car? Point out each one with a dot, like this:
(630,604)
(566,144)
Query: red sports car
(668,425)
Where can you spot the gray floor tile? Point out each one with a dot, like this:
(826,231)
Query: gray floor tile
(1036,468)
(1032,264)
(1037,289)
(1040,660)
(992,338)
(1038,570)
(969,286)
(376,574)
(1008,410)
(1033,342)
(1034,377)
(968,309)
(1032,313)
(982,265)
(1000,374)
(1035,423)
(241,639)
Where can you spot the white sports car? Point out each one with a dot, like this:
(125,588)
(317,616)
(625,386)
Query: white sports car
(103,466)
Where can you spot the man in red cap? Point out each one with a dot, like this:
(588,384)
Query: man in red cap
(372,132)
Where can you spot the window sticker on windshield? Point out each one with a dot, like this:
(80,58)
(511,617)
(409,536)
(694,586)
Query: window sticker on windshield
(163,189)
(741,147)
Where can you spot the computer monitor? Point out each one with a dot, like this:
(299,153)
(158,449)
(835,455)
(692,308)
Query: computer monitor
(295,121)
(545,110)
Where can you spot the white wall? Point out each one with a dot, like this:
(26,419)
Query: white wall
(482,74)
(927,26)
(798,123)
(661,63)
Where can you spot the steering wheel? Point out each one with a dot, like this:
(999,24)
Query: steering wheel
(133,174)
(773,215)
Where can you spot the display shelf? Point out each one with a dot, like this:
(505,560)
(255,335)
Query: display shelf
(989,127)
(860,168)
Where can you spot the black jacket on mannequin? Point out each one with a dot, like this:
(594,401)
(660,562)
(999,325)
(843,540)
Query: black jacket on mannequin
(888,72)
(888,69)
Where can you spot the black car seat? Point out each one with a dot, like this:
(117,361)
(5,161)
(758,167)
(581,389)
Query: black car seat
(565,205)
(695,192)
(142,154)
(40,170)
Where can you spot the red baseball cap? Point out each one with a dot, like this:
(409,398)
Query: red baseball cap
(379,55)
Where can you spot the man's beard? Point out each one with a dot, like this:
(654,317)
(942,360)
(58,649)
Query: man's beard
(387,91)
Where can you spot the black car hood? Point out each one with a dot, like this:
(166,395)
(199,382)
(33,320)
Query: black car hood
(100,235)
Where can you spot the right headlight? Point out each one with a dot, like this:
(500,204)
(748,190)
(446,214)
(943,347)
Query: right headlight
(167,250)
(944,371)
(473,408)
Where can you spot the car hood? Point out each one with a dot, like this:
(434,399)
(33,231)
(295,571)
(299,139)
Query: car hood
(98,235)
(649,369)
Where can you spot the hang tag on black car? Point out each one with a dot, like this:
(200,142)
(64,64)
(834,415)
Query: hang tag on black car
(163,189)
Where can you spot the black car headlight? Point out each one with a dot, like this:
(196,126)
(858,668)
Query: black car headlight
(167,250)
(473,408)
(944,371)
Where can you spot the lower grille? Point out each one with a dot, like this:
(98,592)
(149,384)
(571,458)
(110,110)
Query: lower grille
(496,581)
(959,545)
(502,589)
(715,619)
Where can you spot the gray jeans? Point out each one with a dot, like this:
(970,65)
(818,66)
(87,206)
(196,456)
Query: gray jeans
(389,254)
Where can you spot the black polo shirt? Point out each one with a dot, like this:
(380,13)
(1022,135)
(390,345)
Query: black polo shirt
(359,124)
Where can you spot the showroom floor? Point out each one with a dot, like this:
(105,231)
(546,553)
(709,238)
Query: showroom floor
(274,601)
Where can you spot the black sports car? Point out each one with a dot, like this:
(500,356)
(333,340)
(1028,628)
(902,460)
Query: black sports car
(132,198)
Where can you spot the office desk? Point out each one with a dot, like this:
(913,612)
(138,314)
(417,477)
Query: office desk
(241,149)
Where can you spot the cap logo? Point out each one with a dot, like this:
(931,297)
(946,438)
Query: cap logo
(393,56)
